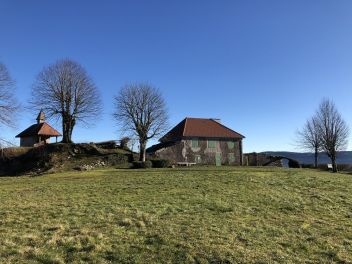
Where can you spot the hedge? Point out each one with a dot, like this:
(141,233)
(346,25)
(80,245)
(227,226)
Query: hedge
(160,163)
(142,164)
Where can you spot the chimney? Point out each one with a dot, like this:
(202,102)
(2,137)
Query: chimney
(41,117)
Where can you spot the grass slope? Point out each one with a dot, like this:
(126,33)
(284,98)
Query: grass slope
(197,215)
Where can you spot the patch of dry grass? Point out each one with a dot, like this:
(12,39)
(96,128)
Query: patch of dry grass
(14,151)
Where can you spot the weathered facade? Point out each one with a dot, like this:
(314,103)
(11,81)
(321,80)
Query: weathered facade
(200,141)
(38,134)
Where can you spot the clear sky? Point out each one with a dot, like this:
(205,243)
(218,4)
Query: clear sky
(260,66)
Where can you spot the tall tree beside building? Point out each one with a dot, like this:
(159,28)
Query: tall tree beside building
(65,90)
(309,138)
(333,130)
(141,109)
(8,102)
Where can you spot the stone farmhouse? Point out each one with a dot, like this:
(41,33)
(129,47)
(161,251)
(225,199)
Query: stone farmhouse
(200,141)
(38,134)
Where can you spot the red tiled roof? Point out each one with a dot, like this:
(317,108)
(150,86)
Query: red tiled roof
(200,127)
(41,129)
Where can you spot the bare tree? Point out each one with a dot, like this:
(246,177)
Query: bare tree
(140,109)
(333,130)
(8,103)
(124,143)
(132,142)
(309,138)
(64,90)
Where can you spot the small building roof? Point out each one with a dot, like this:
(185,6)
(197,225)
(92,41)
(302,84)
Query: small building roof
(200,127)
(41,129)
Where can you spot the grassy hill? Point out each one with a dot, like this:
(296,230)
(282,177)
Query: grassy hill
(196,215)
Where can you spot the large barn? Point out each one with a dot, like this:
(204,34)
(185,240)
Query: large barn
(38,134)
(200,141)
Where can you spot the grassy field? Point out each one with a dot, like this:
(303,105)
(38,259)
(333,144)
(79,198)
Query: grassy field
(196,215)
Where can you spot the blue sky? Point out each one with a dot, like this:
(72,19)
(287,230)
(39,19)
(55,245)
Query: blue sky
(260,66)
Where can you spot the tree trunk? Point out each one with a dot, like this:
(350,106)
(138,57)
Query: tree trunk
(65,136)
(142,147)
(334,165)
(67,128)
(316,158)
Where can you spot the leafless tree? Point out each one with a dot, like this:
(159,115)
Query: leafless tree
(140,109)
(124,142)
(133,141)
(309,138)
(65,90)
(333,130)
(8,103)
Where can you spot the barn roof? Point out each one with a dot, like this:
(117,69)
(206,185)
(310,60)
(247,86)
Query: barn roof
(200,127)
(41,129)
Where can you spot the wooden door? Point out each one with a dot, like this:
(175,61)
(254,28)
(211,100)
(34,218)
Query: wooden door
(218,159)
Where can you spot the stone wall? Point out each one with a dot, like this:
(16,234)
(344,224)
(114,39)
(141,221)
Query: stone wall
(31,141)
(256,159)
(261,159)
(183,151)
(27,141)
(172,153)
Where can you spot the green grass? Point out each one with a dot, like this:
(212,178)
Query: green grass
(197,215)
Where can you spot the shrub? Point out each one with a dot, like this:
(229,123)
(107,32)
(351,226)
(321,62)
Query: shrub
(142,164)
(160,163)
(293,164)
(344,167)
(308,166)
(116,159)
(124,143)
(106,144)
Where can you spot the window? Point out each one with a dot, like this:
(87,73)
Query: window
(195,143)
(211,144)
(231,157)
(197,159)
(230,144)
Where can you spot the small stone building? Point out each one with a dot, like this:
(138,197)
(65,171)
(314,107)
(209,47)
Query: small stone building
(200,141)
(38,134)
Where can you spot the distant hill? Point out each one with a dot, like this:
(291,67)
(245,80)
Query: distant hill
(343,157)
